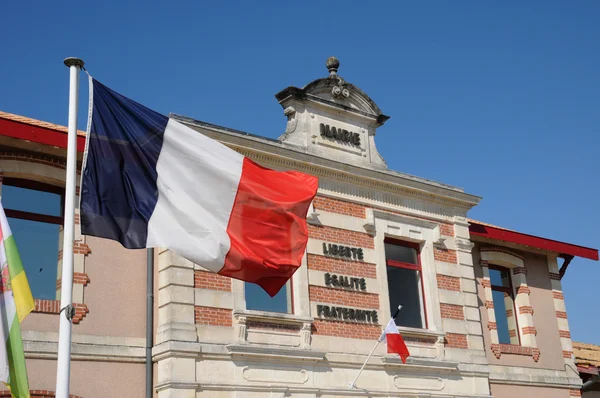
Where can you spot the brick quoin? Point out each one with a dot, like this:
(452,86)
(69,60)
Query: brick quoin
(509,313)
(343,297)
(212,316)
(456,340)
(564,333)
(525,310)
(212,281)
(347,330)
(452,311)
(554,276)
(523,289)
(574,393)
(489,304)
(558,295)
(334,265)
(529,330)
(445,255)
(519,270)
(295,328)
(561,314)
(343,236)
(79,278)
(339,207)
(486,283)
(512,333)
(448,282)
(567,354)
(492,325)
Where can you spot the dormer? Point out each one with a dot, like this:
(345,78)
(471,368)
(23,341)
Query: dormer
(332,118)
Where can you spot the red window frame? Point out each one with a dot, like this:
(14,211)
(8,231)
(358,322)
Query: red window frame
(36,186)
(415,267)
(510,291)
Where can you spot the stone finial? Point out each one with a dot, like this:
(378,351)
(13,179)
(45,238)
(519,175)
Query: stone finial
(332,65)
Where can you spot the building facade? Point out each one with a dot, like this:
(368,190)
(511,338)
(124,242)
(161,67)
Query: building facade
(483,311)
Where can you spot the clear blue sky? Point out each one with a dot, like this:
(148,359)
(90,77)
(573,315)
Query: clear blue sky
(499,98)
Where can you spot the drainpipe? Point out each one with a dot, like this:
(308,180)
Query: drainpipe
(149,319)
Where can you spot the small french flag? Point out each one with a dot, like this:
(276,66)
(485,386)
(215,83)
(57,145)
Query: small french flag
(395,342)
(150,181)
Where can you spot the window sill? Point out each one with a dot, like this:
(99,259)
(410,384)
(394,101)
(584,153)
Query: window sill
(417,333)
(271,317)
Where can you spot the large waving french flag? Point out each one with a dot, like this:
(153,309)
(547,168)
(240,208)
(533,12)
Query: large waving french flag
(150,181)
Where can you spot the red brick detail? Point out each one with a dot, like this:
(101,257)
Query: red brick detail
(446,255)
(513,349)
(446,229)
(343,297)
(525,310)
(53,307)
(274,326)
(79,278)
(77,194)
(212,281)
(509,313)
(575,393)
(37,394)
(339,206)
(492,326)
(34,158)
(343,236)
(452,311)
(523,289)
(496,350)
(81,310)
(529,330)
(81,248)
(456,340)
(486,283)
(561,314)
(500,249)
(567,354)
(519,270)
(512,333)
(564,333)
(558,295)
(448,282)
(355,268)
(555,276)
(489,304)
(349,330)
(77,217)
(535,353)
(212,316)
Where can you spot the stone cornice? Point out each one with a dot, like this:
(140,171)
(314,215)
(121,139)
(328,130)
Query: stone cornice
(278,155)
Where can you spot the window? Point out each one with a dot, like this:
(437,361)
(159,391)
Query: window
(35,214)
(405,282)
(504,305)
(257,299)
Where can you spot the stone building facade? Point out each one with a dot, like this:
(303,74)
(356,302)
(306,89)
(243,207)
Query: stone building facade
(483,311)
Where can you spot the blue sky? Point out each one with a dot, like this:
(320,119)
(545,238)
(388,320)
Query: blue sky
(499,98)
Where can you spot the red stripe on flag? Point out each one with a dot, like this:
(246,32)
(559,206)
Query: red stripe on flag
(396,345)
(267,226)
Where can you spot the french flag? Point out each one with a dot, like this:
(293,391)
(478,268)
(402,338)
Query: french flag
(395,342)
(150,181)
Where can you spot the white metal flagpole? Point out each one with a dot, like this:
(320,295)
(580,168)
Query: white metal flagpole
(352,384)
(63,367)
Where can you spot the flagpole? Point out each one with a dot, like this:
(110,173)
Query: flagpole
(352,384)
(63,367)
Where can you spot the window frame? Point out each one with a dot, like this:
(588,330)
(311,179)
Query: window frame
(415,267)
(510,290)
(36,186)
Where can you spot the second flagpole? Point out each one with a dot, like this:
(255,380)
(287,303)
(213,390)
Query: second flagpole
(63,366)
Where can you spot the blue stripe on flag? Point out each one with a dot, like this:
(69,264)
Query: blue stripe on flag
(119,192)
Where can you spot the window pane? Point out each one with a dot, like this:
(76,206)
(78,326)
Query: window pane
(506,320)
(401,253)
(17,198)
(500,278)
(257,299)
(404,289)
(38,247)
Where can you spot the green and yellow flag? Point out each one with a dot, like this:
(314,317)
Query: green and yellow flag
(16,302)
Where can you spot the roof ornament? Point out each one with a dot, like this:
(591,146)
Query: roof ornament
(340,90)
